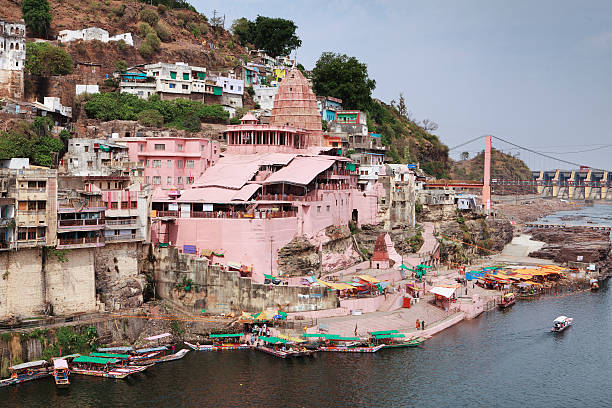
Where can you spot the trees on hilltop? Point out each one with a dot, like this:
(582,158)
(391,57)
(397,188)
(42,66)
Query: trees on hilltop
(276,36)
(37,16)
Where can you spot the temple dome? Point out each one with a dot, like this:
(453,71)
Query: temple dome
(295,104)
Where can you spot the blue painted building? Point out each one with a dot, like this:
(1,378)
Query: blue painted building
(328,106)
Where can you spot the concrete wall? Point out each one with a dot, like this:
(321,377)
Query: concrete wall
(67,286)
(219,291)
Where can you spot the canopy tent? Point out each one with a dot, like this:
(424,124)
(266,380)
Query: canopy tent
(151,349)
(69,356)
(109,355)
(123,348)
(95,360)
(60,364)
(273,340)
(444,292)
(390,336)
(158,337)
(383,332)
(219,336)
(29,364)
(336,286)
(290,338)
(368,278)
(265,315)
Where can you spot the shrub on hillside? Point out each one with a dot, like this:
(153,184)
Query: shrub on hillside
(195,30)
(145,50)
(153,40)
(163,32)
(161,8)
(151,118)
(149,16)
(45,60)
(144,29)
(37,16)
(119,10)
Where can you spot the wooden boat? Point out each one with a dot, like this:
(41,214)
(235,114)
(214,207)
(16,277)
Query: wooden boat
(352,349)
(104,367)
(561,323)
(29,371)
(281,347)
(217,347)
(594,285)
(507,300)
(164,358)
(394,339)
(61,373)
(337,343)
(139,356)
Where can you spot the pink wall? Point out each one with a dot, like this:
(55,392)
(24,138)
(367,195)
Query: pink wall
(203,152)
(245,241)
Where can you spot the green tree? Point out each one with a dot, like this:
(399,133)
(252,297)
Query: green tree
(151,118)
(343,77)
(242,30)
(274,35)
(44,59)
(149,16)
(120,65)
(37,16)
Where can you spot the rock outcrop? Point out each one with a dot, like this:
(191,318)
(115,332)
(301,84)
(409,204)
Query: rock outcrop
(573,244)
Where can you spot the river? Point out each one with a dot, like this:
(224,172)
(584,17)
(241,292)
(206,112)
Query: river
(501,359)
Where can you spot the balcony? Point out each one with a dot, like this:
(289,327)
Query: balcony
(116,224)
(91,206)
(5,245)
(66,243)
(80,225)
(30,243)
(124,238)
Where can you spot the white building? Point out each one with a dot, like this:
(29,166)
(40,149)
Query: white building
(264,96)
(12,58)
(54,104)
(176,80)
(93,33)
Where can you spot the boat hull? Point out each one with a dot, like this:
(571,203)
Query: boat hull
(211,347)
(23,378)
(372,349)
(506,305)
(405,344)
(164,359)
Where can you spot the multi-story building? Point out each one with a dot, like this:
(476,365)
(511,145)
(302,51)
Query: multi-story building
(233,89)
(12,58)
(328,106)
(172,163)
(80,219)
(351,126)
(28,205)
(135,81)
(264,96)
(171,81)
(126,215)
(95,157)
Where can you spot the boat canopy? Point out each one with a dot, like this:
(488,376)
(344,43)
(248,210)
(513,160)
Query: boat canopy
(290,338)
(60,364)
(150,349)
(560,319)
(95,360)
(29,364)
(122,348)
(379,333)
(69,356)
(274,340)
(159,336)
(390,336)
(368,278)
(109,355)
(218,336)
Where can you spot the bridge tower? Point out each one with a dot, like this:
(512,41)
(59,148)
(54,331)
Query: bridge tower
(486,186)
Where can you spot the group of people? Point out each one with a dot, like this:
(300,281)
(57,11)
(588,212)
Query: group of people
(420,324)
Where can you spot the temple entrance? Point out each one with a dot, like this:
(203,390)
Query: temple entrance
(355,216)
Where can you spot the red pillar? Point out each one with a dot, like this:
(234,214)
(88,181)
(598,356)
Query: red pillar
(486,187)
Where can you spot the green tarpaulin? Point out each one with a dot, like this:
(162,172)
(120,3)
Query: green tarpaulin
(274,340)
(389,336)
(383,332)
(350,166)
(94,360)
(216,336)
(109,355)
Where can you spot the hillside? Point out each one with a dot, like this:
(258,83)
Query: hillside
(408,142)
(503,166)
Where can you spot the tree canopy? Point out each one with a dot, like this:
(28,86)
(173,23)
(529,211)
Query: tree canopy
(37,16)
(45,59)
(33,141)
(178,113)
(343,77)
(276,36)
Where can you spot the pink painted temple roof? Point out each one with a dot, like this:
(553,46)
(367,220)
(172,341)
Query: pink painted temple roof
(301,170)
(216,195)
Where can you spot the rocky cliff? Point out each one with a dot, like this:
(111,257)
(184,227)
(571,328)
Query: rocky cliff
(574,244)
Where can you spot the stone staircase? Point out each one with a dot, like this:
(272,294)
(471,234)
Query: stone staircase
(393,302)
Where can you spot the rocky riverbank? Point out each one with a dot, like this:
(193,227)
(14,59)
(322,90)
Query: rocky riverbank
(530,209)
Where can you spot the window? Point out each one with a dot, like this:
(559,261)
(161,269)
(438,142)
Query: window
(125,205)
(134,204)
(169,164)
(186,76)
(41,232)
(179,164)
(86,149)
(318,208)
(114,205)
(156,163)
(179,147)
(190,180)
(156,179)
(173,74)
(148,163)
(202,147)
(156,73)
(185,87)
(160,146)
(171,86)
(140,163)
(327,208)
(42,205)
(141,147)
(89,164)
(22,234)
(31,205)
(179,180)
(189,164)
(31,233)
(169,180)
(147,180)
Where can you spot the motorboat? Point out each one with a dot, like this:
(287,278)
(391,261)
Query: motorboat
(561,323)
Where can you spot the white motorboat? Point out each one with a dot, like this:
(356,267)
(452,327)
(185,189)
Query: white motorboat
(561,323)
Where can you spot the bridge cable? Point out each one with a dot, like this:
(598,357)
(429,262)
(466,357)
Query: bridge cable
(463,144)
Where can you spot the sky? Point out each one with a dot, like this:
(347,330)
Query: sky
(535,73)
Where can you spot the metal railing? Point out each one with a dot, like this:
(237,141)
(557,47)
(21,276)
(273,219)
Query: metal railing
(81,222)
(121,222)
(124,237)
(79,241)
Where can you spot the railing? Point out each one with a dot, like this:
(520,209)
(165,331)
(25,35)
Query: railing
(121,222)
(30,242)
(79,241)
(81,222)
(239,214)
(124,237)
(174,214)
(5,245)
(80,205)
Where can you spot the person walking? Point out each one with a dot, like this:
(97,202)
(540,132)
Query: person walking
(418,324)
(422,324)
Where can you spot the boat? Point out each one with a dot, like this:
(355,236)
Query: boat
(337,343)
(352,348)
(29,371)
(395,339)
(561,323)
(139,356)
(218,344)
(103,367)
(507,300)
(61,373)
(281,347)
(594,285)
(161,358)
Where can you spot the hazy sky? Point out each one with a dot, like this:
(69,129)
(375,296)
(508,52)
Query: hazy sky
(537,73)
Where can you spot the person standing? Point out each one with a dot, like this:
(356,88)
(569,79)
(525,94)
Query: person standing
(422,324)
(418,324)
